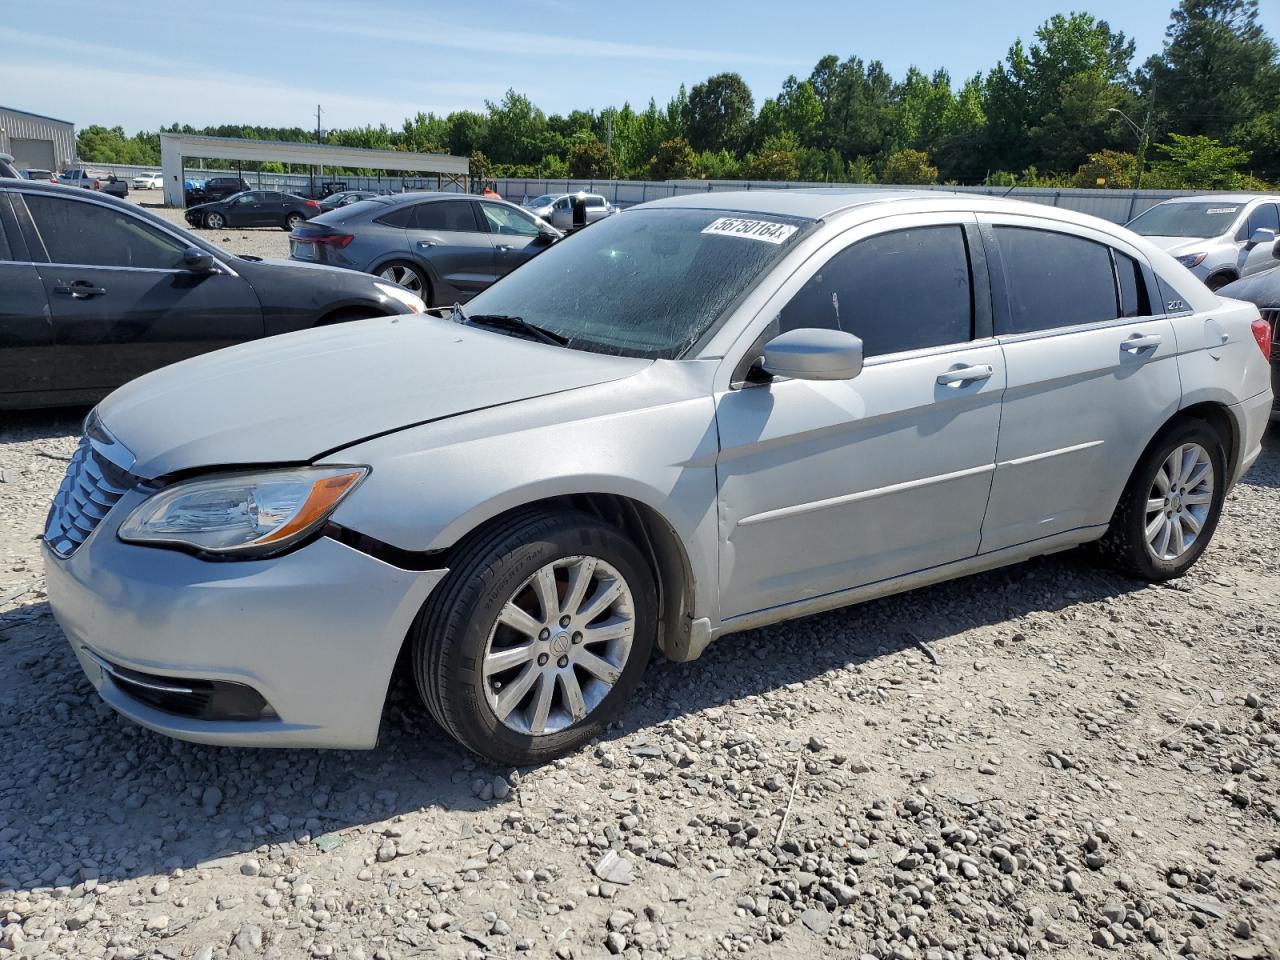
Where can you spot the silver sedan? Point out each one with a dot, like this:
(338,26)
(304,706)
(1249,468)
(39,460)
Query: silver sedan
(716,412)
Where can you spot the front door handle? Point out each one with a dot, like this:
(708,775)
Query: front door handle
(959,376)
(503,248)
(426,244)
(1142,342)
(80,290)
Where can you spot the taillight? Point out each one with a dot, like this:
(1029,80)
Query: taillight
(312,203)
(1262,333)
(335,240)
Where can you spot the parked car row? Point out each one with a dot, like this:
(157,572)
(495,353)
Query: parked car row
(95,291)
(708,414)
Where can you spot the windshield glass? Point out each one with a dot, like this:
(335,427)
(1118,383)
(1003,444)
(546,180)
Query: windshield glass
(646,283)
(1203,220)
(541,201)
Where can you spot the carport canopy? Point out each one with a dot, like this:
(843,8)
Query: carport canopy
(175,146)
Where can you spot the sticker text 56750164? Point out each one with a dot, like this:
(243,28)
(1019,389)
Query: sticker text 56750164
(764,230)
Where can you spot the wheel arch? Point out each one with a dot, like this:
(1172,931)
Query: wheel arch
(664,549)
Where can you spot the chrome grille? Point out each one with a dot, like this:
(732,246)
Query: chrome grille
(1272,316)
(91,487)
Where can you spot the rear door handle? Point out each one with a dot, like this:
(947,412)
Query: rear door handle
(80,289)
(1142,342)
(959,376)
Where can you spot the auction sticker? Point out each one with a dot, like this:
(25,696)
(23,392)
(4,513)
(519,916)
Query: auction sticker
(764,230)
(1212,210)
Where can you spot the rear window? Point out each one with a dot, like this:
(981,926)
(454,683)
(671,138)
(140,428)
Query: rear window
(457,216)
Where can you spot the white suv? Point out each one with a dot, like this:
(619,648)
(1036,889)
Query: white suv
(1219,238)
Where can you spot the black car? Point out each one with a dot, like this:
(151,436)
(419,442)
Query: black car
(254,208)
(1263,290)
(214,189)
(95,291)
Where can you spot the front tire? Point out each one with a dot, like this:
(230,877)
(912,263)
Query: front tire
(214,221)
(1219,280)
(1170,508)
(537,637)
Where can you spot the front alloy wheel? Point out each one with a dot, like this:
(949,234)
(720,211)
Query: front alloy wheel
(214,221)
(559,645)
(537,636)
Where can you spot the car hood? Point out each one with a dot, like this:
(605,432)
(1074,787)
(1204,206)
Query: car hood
(1177,246)
(292,398)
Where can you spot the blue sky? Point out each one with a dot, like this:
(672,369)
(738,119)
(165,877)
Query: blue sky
(376,61)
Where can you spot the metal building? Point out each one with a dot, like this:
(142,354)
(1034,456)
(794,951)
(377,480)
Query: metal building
(37,141)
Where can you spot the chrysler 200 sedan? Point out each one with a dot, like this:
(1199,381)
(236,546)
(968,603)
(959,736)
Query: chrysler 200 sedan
(713,413)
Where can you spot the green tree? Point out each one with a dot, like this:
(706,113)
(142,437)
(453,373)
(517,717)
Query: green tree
(909,167)
(590,159)
(1198,163)
(675,160)
(516,129)
(1116,170)
(777,159)
(719,113)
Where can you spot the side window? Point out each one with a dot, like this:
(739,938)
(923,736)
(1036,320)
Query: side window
(5,252)
(86,233)
(400,217)
(898,291)
(1266,216)
(456,215)
(509,221)
(595,201)
(1054,280)
(247,198)
(1134,300)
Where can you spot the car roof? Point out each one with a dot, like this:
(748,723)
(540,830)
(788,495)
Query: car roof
(811,203)
(1221,198)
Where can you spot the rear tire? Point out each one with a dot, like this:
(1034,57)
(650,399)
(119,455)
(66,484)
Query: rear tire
(408,276)
(293,221)
(1171,505)
(510,655)
(214,221)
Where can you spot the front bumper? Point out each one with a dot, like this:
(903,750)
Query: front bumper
(315,632)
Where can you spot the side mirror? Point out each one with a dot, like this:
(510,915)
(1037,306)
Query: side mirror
(546,237)
(195,260)
(1261,235)
(814,354)
(1275,250)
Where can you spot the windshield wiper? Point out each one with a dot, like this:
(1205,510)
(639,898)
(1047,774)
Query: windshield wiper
(503,321)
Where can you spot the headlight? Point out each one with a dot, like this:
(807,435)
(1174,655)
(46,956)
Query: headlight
(242,514)
(1191,259)
(401,295)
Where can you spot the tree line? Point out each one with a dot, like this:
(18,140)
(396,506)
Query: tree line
(1068,108)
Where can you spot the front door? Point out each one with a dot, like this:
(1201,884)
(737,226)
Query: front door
(449,238)
(120,301)
(247,210)
(1092,367)
(828,485)
(515,235)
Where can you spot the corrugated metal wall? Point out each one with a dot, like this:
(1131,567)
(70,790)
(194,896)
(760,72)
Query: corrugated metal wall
(17,125)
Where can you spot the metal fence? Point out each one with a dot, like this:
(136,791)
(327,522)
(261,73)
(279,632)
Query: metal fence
(1118,206)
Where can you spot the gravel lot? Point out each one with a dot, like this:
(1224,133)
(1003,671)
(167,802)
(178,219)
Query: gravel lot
(1045,761)
(257,241)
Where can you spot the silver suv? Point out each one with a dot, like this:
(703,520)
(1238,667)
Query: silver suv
(716,412)
(1219,238)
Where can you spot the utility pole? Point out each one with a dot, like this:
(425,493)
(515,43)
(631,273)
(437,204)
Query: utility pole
(313,169)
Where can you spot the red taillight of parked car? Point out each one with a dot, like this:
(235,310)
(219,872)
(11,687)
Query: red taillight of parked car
(313,203)
(335,240)
(1262,333)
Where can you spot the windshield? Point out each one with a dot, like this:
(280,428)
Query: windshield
(1204,220)
(647,283)
(541,201)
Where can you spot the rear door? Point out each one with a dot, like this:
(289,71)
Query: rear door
(26,330)
(1093,373)
(514,232)
(121,303)
(448,237)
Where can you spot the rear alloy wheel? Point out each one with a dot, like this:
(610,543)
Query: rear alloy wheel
(1171,506)
(214,220)
(537,636)
(405,274)
(293,221)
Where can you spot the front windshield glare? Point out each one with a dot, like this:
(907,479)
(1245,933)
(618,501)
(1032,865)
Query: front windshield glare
(1186,220)
(645,283)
